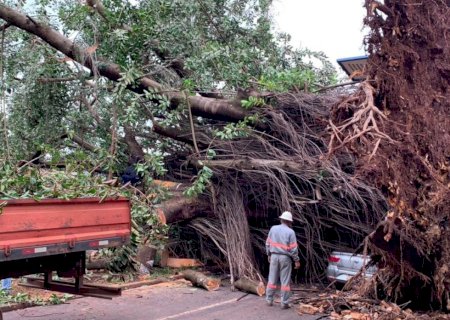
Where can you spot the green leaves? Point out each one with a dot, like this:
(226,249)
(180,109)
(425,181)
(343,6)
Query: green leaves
(240,129)
(252,102)
(54,299)
(210,154)
(200,184)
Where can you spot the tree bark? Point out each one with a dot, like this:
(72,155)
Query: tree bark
(251,164)
(180,208)
(134,149)
(170,185)
(227,110)
(176,64)
(83,143)
(97,264)
(250,286)
(176,134)
(200,280)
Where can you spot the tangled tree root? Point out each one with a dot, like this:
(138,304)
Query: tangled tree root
(363,126)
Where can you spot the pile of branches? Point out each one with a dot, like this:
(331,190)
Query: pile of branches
(340,305)
(285,165)
(398,126)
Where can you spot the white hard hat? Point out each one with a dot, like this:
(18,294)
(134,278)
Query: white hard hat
(286,216)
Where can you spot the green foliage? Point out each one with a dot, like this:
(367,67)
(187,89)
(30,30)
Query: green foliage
(210,154)
(230,41)
(252,102)
(55,299)
(8,299)
(239,129)
(288,80)
(38,117)
(232,130)
(307,70)
(198,187)
(154,165)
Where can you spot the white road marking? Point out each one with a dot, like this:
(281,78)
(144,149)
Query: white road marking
(198,309)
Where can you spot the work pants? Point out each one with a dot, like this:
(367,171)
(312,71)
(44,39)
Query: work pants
(279,277)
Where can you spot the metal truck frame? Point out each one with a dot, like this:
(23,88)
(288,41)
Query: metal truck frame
(53,235)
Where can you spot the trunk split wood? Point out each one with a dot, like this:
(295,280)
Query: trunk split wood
(250,286)
(199,279)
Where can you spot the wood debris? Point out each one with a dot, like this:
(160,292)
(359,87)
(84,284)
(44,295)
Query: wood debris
(201,280)
(342,305)
(250,286)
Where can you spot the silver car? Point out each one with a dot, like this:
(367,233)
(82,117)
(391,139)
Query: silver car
(344,265)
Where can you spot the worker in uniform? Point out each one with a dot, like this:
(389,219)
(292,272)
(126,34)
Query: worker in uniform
(281,247)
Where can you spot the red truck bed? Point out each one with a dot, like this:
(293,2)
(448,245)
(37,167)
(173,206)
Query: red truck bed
(31,228)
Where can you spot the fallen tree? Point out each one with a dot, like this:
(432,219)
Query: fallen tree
(275,160)
(338,161)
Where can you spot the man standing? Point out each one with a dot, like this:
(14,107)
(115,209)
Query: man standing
(281,247)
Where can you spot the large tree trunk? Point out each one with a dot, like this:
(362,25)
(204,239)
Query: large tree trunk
(181,208)
(250,164)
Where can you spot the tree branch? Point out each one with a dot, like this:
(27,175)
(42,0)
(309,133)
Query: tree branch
(134,148)
(337,86)
(251,164)
(227,110)
(51,80)
(91,109)
(81,142)
(5,26)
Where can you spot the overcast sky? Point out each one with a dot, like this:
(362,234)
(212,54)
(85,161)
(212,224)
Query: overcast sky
(331,26)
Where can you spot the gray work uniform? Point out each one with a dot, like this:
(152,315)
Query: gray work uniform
(281,246)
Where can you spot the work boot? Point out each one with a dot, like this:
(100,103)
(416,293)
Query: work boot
(269,303)
(285,306)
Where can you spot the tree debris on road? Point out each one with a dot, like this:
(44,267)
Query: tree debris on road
(367,165)
(250,286)
(201,280)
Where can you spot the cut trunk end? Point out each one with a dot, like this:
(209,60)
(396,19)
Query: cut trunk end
(198,279)
(251,286)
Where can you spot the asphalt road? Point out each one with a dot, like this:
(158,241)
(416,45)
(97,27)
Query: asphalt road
(169,301)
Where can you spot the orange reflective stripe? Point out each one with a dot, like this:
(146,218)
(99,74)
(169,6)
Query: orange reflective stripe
(281,245)
(292,245)
(272,286)
(285,288)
